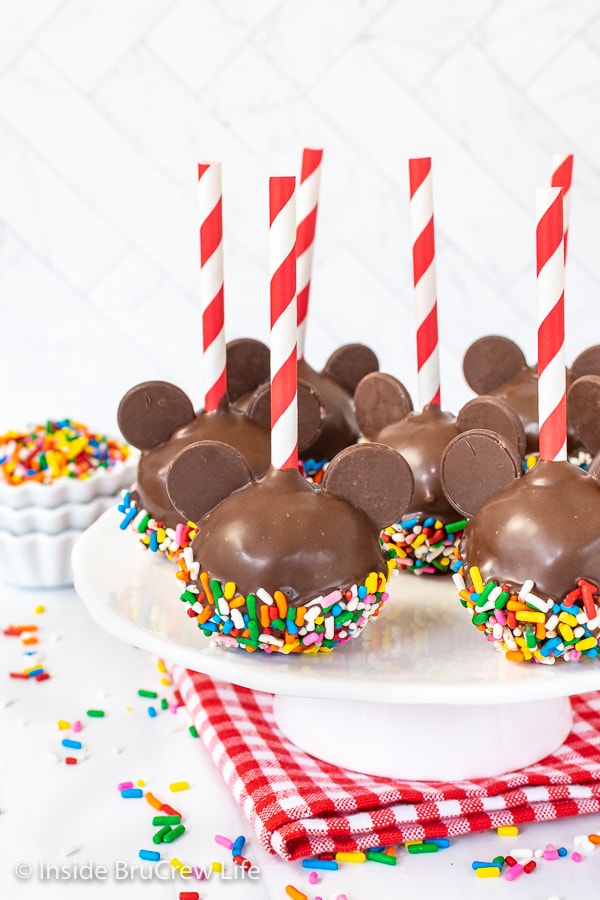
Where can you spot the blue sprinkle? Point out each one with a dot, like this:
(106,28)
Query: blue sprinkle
(407,524)
(216,619)
(293,629)
(428,522)
(442,843)
(35,672)
(562,851)
(151,855)
(238,845)
(227,626)
(132,793)
(362,592)
(153,542)
(152,712)
(209,626)
(320,864)
(73,745)
(592,652)
(336,610)
(128,518)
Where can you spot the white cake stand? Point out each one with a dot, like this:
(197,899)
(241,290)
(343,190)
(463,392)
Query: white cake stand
(419,695)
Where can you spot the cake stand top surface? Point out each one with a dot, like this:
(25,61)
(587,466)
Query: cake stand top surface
(422,647)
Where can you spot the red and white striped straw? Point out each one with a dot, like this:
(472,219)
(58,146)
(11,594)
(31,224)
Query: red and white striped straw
(306,210)
(421,214)
(284,323)
(551,324)
(562,176)
(211,283)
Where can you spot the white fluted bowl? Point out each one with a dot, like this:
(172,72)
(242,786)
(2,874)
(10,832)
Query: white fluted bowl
(37,560)
(53,520)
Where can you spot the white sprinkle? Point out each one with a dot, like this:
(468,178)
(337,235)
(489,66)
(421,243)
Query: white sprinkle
(329,627)
(21,723)
(116,750)
(269,639)
(537,602)
(551,624)
(188,557)
(265,596)
(5,702)
(194,571)
(69,850)
(538,853)
(522,853)
(525,589)
(47,758)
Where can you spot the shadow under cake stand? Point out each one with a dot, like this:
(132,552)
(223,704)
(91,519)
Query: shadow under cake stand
(419,695)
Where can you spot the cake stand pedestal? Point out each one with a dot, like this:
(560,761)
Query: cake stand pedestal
(418,696)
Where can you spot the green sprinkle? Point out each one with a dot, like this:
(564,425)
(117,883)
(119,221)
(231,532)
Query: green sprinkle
(480,619)
(251,604)
(189,597)
(278,623)
(502,600)
(498,861)
(164,704)
(166,820)
(530,639)
(384,858)
(247,642)
(95,713)
(150,694)
(422,848)
(486,593)
(456,526)
(253,629)
(173,834)
(193,731)
(160,835)
(143,524)
(217,590)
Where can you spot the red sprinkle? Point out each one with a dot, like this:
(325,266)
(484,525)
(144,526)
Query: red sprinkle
(170,811)
(43,676)
(510,861)
(242,862)
(529,867)
(70,760)
(18,675)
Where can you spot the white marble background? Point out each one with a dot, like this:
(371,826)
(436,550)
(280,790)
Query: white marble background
(106,107)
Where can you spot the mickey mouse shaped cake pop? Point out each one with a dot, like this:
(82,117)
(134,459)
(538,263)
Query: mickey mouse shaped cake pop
(279,564)
(529,565)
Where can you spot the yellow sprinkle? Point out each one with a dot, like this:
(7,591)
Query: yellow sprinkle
(229,590)
(351,857)
(140,783)
(216,866)
(165,681)
(176,863)
(161,666)
(128,709)
(488,872)
(319,620)
(39,609)
(420,539)
(179,786)
(508,830)
(568,619)
(411,843)
(63,725)
(586,643)
(371,582)
(522,616)
(476,579)
(160,535)
(566,632)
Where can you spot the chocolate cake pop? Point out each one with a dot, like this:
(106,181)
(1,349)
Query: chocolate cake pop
(424,539)
(335,385)
(529,560)
(497,366)
(159,419)
(278,564)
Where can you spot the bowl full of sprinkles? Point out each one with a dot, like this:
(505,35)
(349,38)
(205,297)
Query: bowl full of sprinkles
(61,461)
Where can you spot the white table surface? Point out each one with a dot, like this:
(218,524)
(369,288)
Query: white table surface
(47,806)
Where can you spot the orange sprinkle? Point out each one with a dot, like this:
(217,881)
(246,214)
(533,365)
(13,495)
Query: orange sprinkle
(152,800)
(206,586)
(205,615)
(515,655)
(264,617)
(281,601)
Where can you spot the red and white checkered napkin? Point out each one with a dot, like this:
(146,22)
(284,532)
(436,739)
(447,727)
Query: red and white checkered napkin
(300,806)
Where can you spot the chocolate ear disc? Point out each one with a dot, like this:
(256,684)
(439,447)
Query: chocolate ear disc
(380,400)
(583,411)
(151,412)
(248,366)
(202,475)
(587,363)
(475,465)
(493,414)
(311,412)
(490,362)
(374,478)
(350,363)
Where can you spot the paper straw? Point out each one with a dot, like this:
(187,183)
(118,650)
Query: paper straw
(562,176)
(284,323)
(306,211)
(211,283)
(421,214)
(551,324)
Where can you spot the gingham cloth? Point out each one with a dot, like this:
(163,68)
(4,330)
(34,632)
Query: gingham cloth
(300,806)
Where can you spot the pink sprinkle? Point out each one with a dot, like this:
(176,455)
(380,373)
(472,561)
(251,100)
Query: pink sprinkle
(500,617)
(311,638)
(576,857)
(76,726)
(197,873)
(313,878)
(125,785)
(223,841)
(513,872)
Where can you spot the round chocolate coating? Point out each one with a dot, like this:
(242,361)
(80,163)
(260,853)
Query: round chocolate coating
(226,425)
(339,428)
(421,438)
(545,526)
(282,533)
